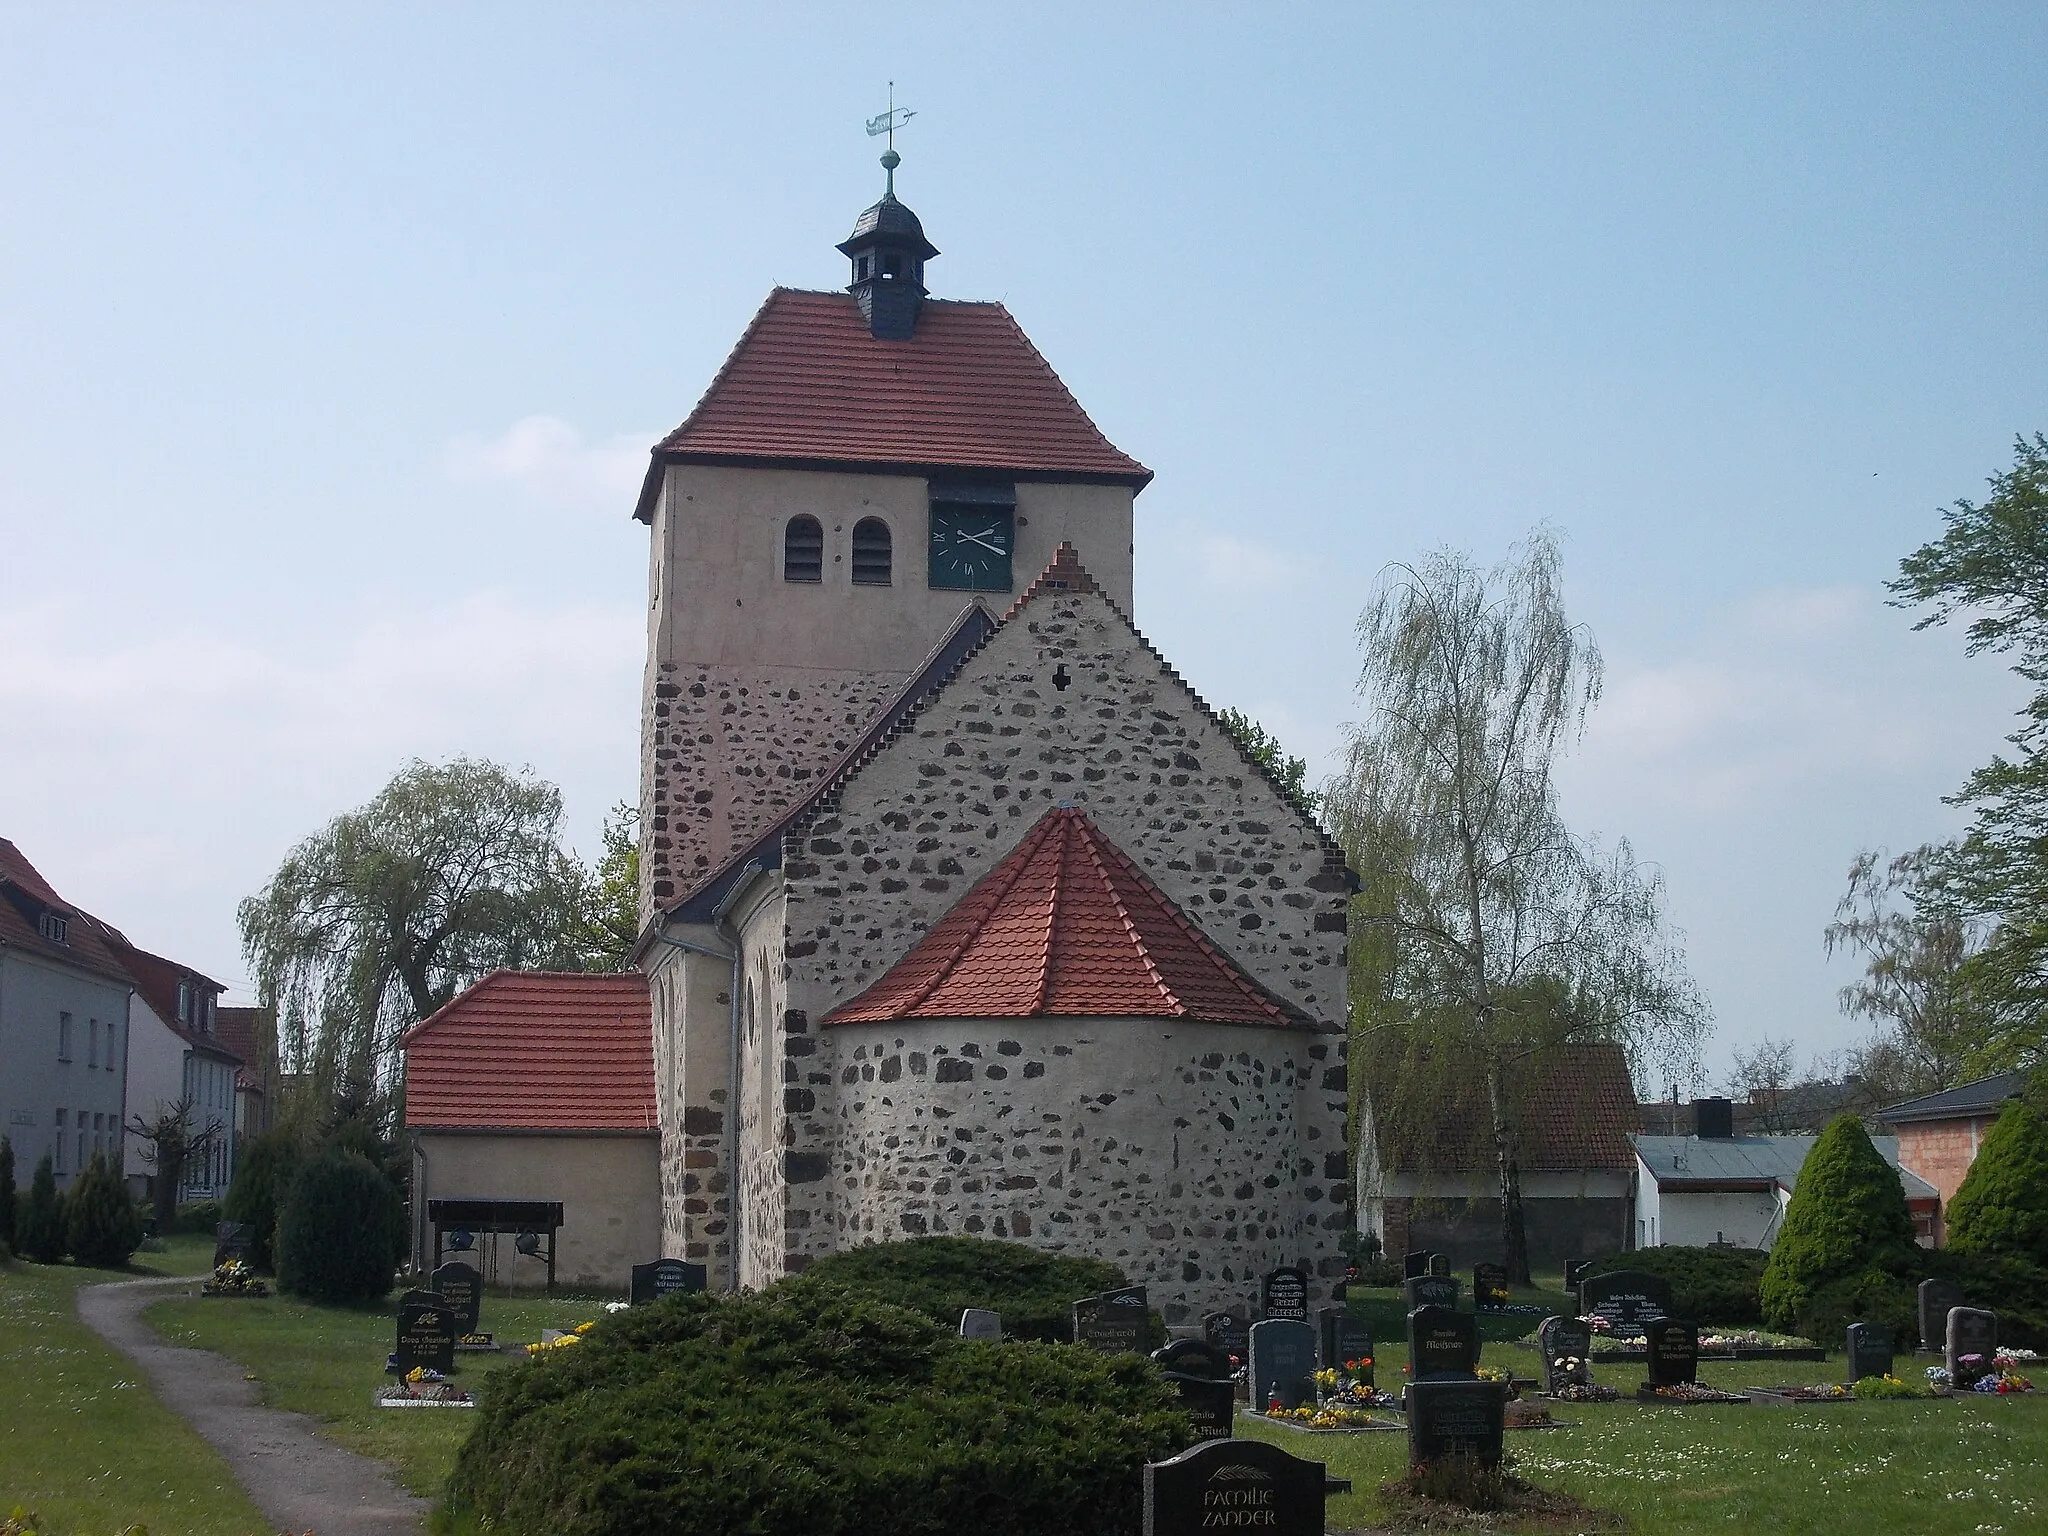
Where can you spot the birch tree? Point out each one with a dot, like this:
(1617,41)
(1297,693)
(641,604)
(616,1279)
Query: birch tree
(1498,934)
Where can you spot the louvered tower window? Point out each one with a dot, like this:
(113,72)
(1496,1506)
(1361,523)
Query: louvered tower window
(803,550)
(871,553)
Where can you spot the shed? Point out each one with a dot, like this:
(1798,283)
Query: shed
(1692,1191)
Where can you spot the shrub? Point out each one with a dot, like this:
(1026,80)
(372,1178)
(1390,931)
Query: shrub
(1708,1285)
(100,1227)
(264,1171)
(6,1192)
(339,1226)
(1848,1217)
(198,1216)
(943,1276)
(811,1410)
(41,1223)
(2002,1206)
(1882,1296)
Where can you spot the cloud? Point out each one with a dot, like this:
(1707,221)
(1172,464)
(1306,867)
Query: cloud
(1241,565)
(547,459)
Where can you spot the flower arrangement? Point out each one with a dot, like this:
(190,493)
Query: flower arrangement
(1572,1382)
(2007,1357)
(1938,1378)
(421,1385)
(1885,1388)
(1598,1324)
(1819,1392)
(234,1277)
(1689,1392)
(561,1341)
(2003,1383)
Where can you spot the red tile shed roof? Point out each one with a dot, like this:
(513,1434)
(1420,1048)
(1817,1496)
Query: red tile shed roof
(1066,925)
(25,895)
(807,384)
(1575,1106)
(535,1051)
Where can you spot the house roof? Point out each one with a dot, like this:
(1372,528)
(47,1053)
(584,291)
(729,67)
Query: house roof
(535,1051)
(1680,1163)
(1067,925)
(1575,1109)
(157,978)
(1986,1096)
(807,384)
(25,896)
(247,1032)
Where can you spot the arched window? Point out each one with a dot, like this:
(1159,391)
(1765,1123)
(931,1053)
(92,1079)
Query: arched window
(871,557)
(803,550)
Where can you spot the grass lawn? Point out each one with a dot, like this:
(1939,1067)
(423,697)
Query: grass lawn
(1964,1465)
(329,1362)
(83,1441)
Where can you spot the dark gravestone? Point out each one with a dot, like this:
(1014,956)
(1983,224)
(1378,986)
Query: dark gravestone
(1283,1362)
(1442,1343)
(1565,1339)
(418,1298)
(1576,1270)
(1285,1293)
(1113,1322)
(1223,1485)
(1489,1286)
(1228,1331)
(1194,1357)
(1972,1341)
(980,1323)
(665,1277)
(1342,1338)
(463,1289)
(1869,1350)
(1674,1351)
(1414,1262)
(1627,1298)
(232,1240)
(1936,1298)
(1429,1291)
(1201,1372)
(1451,1416)
(1439,1263)
(426,1334)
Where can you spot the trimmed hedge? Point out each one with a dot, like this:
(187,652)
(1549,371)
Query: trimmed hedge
(811,1410)
(340,1224)
(1708,1285)
(942,1276)
(2002,1206)
(100,1224)
(1848,1219)
(264,1171)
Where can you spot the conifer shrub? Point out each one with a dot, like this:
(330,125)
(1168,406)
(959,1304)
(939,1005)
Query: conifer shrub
(942,1276)
(264,1171)
(808,1409)
(340,1225)
(6,1193)
(100,1224)
(40,1226)
(1710,1284)
(1848,1219)
(2002,1206)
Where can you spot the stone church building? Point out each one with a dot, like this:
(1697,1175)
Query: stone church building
(962,913)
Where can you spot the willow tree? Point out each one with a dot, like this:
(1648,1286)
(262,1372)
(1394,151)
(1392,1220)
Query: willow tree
(1493,933)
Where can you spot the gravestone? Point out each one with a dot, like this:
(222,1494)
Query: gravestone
(1285,1293)
(1565,1338)
(1283,1362)
(426,1334)
(1415,1262)
(1936,1298)
(1442,1343)
(1342,1337)
(1870,1351)
(1627,1298)
(1228,1331)
(1972,1332)
(232,1240)
(1450,1416)
(1576,1270)
(1234,1485)
(980,1323)
(1429,1291)
(1113,1322)
(1194,1357)
(1200,1372)
(1674,1351)
(1439,1263)
(665,1277)
(462,1288)
(1489,1285)
(419,1298)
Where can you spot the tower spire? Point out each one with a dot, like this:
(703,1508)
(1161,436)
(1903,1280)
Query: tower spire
(887,247)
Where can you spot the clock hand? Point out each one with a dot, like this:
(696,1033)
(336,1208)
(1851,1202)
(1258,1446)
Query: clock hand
(972,538)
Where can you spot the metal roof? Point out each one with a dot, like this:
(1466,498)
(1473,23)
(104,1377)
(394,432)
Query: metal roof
(1676,1162)
(1986,1096)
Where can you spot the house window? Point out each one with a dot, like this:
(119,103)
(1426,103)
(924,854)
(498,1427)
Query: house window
(871,553)
(57,1140)
(83,1134)
(54,928)
(803,550)
(63,1037)
(184,1002)
(113,1055)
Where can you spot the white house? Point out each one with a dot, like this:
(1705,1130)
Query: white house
(1695,1190)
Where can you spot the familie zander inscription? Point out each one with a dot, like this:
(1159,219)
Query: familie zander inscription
(1234,1485)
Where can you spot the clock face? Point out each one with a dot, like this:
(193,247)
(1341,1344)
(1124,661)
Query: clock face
(971,547)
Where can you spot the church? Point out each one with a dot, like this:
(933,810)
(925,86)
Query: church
(961,912)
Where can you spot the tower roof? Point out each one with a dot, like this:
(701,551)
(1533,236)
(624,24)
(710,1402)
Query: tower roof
(1067,925)
(889,220)
(809,386)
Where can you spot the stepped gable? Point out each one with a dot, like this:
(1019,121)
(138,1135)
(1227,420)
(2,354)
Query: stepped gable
(808,386)
(535,1051)
(1067,925)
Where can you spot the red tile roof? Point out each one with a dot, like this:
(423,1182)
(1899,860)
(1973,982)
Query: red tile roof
(249,1033)
(1575,1107)
(25,895)
(1066,925)
(536,1051)
(807,384)
(157,980)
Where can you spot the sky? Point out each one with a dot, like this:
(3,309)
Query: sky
(333,339)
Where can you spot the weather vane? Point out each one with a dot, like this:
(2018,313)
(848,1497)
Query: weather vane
(888,123)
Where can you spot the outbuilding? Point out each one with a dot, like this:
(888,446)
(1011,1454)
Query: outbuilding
(1694,1191)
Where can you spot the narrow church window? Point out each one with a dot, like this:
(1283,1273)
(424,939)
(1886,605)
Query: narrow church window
(871,553)
(803,550)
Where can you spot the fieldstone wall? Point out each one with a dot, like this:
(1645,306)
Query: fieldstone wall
(691,1001)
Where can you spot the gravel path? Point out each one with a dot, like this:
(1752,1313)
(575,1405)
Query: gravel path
(301,1481)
